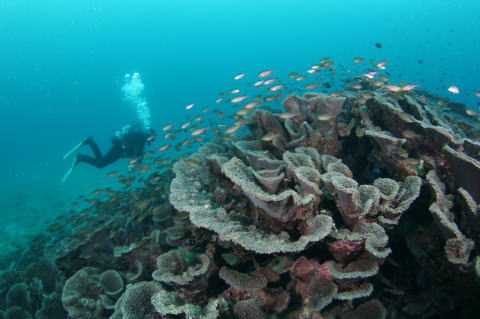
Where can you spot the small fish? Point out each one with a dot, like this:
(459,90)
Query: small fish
(382,62)
(134,161)
(378,45)
(232,129)
(310,86)
(377,84)
(198,131)
(185,125)
(163,147)
(293,75)
(270,98)
(219,113)
(311,71)
(276,87)
(409,87)
(356,86)
(111,174)
(269,81)
(471,112)
(189,106)
(381,65)
(287,115)
(126,181)
(258,83)
(239,76)
(143,168)
(301,78)
(396,88)
(151,137)
(265,73)
(328,64)
(251,105)
(453,89)
(182,143)
(234,91)
(476,93)
(167,127)
(198,118)
(370,75)
(358,59)
(242,112)
(383,78)
(393,88)
(205,109)
(98,191)
(238,99)
(219,100)
(324,60)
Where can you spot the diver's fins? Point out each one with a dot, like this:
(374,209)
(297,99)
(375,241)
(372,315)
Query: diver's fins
(70,170)
(75,148)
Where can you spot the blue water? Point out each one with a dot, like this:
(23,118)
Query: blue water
(63,62)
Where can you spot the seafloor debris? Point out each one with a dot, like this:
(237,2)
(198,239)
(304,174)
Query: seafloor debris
(360,204)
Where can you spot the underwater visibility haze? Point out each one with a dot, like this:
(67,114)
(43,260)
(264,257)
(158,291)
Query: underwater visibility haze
(239,159)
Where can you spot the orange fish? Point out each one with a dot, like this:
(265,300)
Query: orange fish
(232,129)
(163,147)
(239,76)
(198,131)
(311,85)
(111,174)
(276,87)
(265,73)
(258,83)
(133,161)
(393,88)
(269,81)
(453,89)
(167,127)
(238,99)
(98,191)
(151,137)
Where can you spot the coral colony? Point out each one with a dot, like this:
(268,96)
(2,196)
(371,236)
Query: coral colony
(356,204)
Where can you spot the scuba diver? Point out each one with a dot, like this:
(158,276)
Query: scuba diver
(128,142)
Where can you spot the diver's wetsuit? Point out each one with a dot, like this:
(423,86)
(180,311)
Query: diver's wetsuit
(130,145)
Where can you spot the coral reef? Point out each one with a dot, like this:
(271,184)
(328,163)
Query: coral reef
(363,205)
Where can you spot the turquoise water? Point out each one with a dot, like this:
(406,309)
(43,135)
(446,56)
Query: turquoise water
(63,62)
